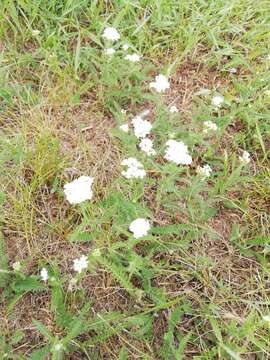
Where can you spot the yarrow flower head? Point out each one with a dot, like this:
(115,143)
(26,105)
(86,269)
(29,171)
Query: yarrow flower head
(44,274)
(125,47)
(146,145)
(109,51)
(173,109)
(208,126)
(233,70)
(80,264)
(204,171)
(110,33)
(177,152)
(133,57)
(160,84)
(139,227)
(35,32)
(58,346)
(134,168)
(79,190)
(17,266)
(124,127)
(142,127)
(217,100)
(245,157)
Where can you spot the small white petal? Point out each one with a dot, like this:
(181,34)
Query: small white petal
(125,47)
(209,126)
(133,57)
(245,157)
(134,169)
(44,274)
(177,152)
(124,128)
(110,33)
(217,100)
(173,109)
(16,266)
(142,127)
(204,171)
(109,51)
(58,346)
(79,190)
(35,32)
(160,84)
(139,227)
(80,264)
(146,145)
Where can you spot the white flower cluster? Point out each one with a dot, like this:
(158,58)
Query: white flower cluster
(139,227)
(109,51)
(209,126)
(177,152)
(124,128)
(35,32)
(204,171)
(142,127)
(245,157)
(146,145)
(44,274)
(17,266)
(80,264)
(160,84)
(173,109)
(217,100)
(79,190)
(58,347)
(132,57)
(125,47)
(111,34)
(134,169)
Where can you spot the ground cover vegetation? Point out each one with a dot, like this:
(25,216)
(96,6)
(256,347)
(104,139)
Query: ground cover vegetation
(134,162)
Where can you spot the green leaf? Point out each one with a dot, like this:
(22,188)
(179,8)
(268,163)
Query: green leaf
(17,337)
(3,263)
(40,354)
(58,306)
(230,352)
(209,213)
(123,355)
(28,284)
(78,325)
(171,229)
(42,329)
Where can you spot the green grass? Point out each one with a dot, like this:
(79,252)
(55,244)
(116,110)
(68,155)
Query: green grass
(197,285)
